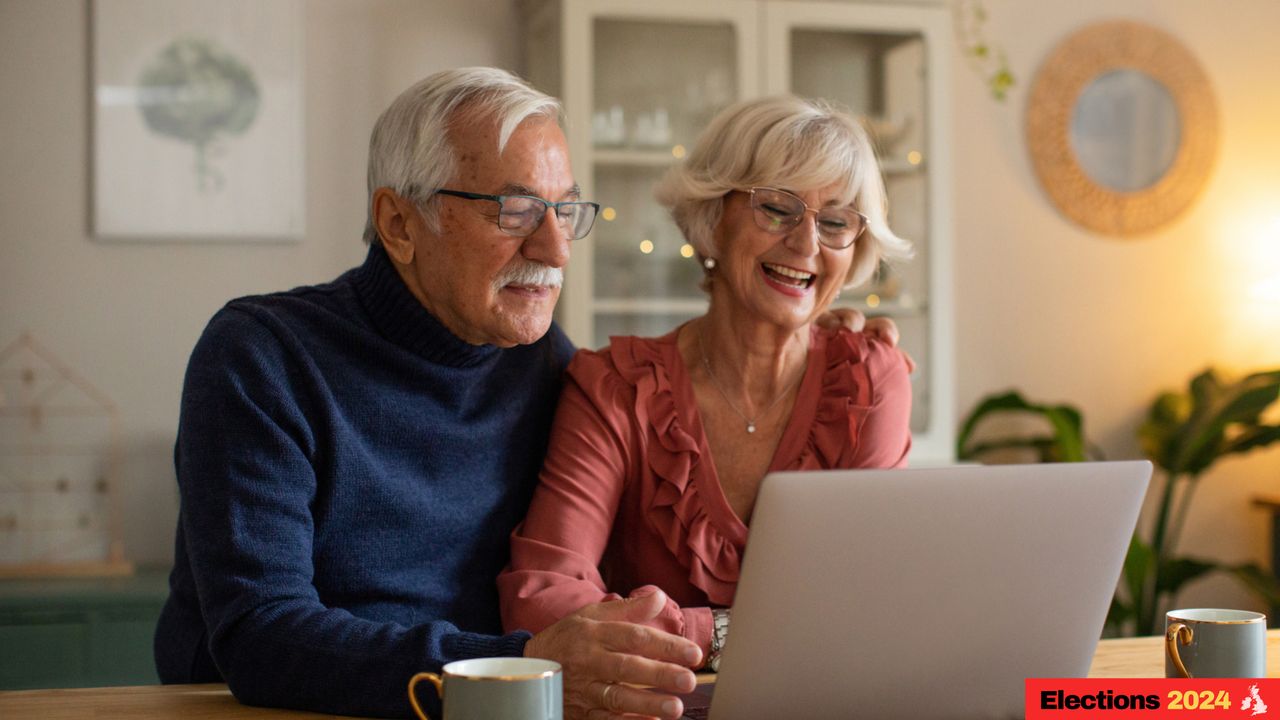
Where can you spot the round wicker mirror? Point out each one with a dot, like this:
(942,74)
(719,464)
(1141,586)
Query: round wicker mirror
(1122,128)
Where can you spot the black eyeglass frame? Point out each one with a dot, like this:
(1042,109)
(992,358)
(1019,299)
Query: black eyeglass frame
(547,204)
(757,212)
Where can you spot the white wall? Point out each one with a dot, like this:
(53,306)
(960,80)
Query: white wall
(127,315)
(1041,305)
(1106,324)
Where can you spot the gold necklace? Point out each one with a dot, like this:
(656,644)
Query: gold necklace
(751,422)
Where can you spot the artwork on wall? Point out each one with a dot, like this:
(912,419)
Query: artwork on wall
(198,120)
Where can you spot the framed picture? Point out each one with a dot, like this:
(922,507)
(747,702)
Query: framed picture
(198,120)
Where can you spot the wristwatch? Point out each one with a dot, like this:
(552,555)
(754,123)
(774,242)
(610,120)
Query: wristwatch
(719,631)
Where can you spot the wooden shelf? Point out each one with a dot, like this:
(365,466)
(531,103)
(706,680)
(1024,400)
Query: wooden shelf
(901,167)
(648,306)
(634,157)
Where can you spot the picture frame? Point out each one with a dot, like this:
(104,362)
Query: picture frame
(198,129)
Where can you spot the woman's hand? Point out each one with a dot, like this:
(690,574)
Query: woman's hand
(604,651)
(881,327)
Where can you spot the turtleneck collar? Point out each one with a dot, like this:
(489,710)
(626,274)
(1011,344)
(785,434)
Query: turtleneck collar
(403,320)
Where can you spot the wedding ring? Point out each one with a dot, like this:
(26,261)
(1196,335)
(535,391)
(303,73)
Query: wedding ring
(606,697)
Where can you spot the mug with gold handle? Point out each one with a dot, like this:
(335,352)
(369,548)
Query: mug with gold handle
(514,688)
(1214,643)
(1177,632)
(432,678)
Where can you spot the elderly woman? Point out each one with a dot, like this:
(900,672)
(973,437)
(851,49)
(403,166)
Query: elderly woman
(660,444)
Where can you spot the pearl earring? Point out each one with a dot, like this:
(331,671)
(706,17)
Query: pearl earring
(709,263)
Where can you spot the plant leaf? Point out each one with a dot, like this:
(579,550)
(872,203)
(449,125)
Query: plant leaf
(993,403)
(1066,442)
(1254,438)
(1067,425)
(1186,433)
(1176,572)
(1043,446)
(1167,413)
(1138,562)
(1261,582)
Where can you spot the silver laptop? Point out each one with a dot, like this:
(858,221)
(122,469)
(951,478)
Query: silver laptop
(923,593)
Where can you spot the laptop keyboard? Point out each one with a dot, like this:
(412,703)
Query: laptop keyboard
(697,704)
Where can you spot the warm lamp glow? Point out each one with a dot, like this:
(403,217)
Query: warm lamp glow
(608,214)
(1267,291)
(686,250)
(914,157)
(1268,253)
(1250,277)
(678,151)
(646,246)
(873,300)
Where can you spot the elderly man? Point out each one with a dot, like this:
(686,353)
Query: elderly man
(352,457)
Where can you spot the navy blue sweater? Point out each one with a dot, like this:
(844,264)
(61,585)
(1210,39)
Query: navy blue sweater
(350,472)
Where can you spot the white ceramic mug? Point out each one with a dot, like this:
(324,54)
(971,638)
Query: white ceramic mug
(508,688)
(1209,643)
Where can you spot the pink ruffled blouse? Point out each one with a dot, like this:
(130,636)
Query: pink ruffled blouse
(629,497)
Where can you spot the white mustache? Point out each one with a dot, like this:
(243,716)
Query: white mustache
(530,273)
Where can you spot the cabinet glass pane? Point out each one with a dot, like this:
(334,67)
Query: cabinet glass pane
(915,340)
(656,84)
(639,253)
(881,77)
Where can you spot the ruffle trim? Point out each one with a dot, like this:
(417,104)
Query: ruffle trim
(843,404)
(675,509)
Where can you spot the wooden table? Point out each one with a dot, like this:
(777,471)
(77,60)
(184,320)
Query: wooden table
(1144,657)
(1130,657)
(149,702)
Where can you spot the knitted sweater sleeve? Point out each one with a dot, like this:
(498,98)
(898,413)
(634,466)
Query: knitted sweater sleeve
(246,458)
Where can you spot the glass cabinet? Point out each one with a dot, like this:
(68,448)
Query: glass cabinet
(641,78)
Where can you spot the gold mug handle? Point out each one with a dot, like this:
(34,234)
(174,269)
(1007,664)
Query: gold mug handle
(413,699)
(1177,633)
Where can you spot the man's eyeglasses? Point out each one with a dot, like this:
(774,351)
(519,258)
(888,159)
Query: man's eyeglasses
(522,215)
(779,211)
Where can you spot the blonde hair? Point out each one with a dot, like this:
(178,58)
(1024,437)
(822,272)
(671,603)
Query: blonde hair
(409,149)
(785,142)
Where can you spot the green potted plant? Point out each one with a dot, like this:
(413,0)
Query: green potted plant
(1063,441)
(1184,434)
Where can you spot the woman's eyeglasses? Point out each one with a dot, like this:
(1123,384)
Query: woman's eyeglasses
(522,215)
(779,211)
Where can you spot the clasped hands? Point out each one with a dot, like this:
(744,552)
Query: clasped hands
(605,651)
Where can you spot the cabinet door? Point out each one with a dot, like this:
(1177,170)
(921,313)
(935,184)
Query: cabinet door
(43,649)
(888,64)
(120,647)
(640,81)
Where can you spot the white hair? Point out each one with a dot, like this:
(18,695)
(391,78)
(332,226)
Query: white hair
(785,142)
(410,150)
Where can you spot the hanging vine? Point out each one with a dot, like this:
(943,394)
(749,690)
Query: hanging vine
(987,60)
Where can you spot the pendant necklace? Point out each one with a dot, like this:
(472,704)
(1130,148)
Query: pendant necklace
(751,422)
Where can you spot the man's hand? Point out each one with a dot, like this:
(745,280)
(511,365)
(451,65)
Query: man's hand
(601,646)
(880,327)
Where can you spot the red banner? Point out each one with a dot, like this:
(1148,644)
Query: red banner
(1152,698)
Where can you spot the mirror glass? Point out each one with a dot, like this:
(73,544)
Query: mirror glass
(1125,130)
